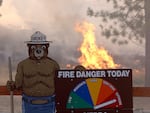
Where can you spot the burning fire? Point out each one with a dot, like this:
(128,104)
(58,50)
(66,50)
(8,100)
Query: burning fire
(93,57)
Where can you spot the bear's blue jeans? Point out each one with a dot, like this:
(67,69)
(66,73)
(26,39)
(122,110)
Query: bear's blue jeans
(28,107)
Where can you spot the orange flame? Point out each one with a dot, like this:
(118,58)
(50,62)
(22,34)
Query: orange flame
(93,57)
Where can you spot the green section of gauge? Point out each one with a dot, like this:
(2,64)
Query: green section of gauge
(74,101)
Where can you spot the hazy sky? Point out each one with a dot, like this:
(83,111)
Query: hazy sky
(57,19)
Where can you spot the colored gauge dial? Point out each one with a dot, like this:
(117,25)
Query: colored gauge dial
(94,93)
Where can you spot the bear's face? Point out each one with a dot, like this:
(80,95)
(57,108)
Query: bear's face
(38,51)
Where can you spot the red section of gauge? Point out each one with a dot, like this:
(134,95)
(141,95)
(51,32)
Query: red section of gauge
(106,91)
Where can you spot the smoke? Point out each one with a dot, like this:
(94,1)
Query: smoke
(136,63)
(11,44)
(55,19)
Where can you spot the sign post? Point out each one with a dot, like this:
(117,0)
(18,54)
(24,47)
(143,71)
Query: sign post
(94,91)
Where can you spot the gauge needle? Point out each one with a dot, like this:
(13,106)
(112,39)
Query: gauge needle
(105,104)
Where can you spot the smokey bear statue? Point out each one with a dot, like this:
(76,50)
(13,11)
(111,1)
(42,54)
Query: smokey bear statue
(35,77)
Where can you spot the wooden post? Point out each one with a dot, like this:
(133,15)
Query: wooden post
(11,92)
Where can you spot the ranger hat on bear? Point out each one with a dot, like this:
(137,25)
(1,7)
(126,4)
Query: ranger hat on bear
(38,38)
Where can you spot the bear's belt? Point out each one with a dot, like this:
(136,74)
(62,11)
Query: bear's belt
(39,101)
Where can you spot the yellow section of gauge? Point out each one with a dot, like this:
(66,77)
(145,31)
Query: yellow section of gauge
(94,85)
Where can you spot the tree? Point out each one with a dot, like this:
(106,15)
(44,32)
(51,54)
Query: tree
(147,35)
(125,22)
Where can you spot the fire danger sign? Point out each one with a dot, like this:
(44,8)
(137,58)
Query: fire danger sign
(94,91)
